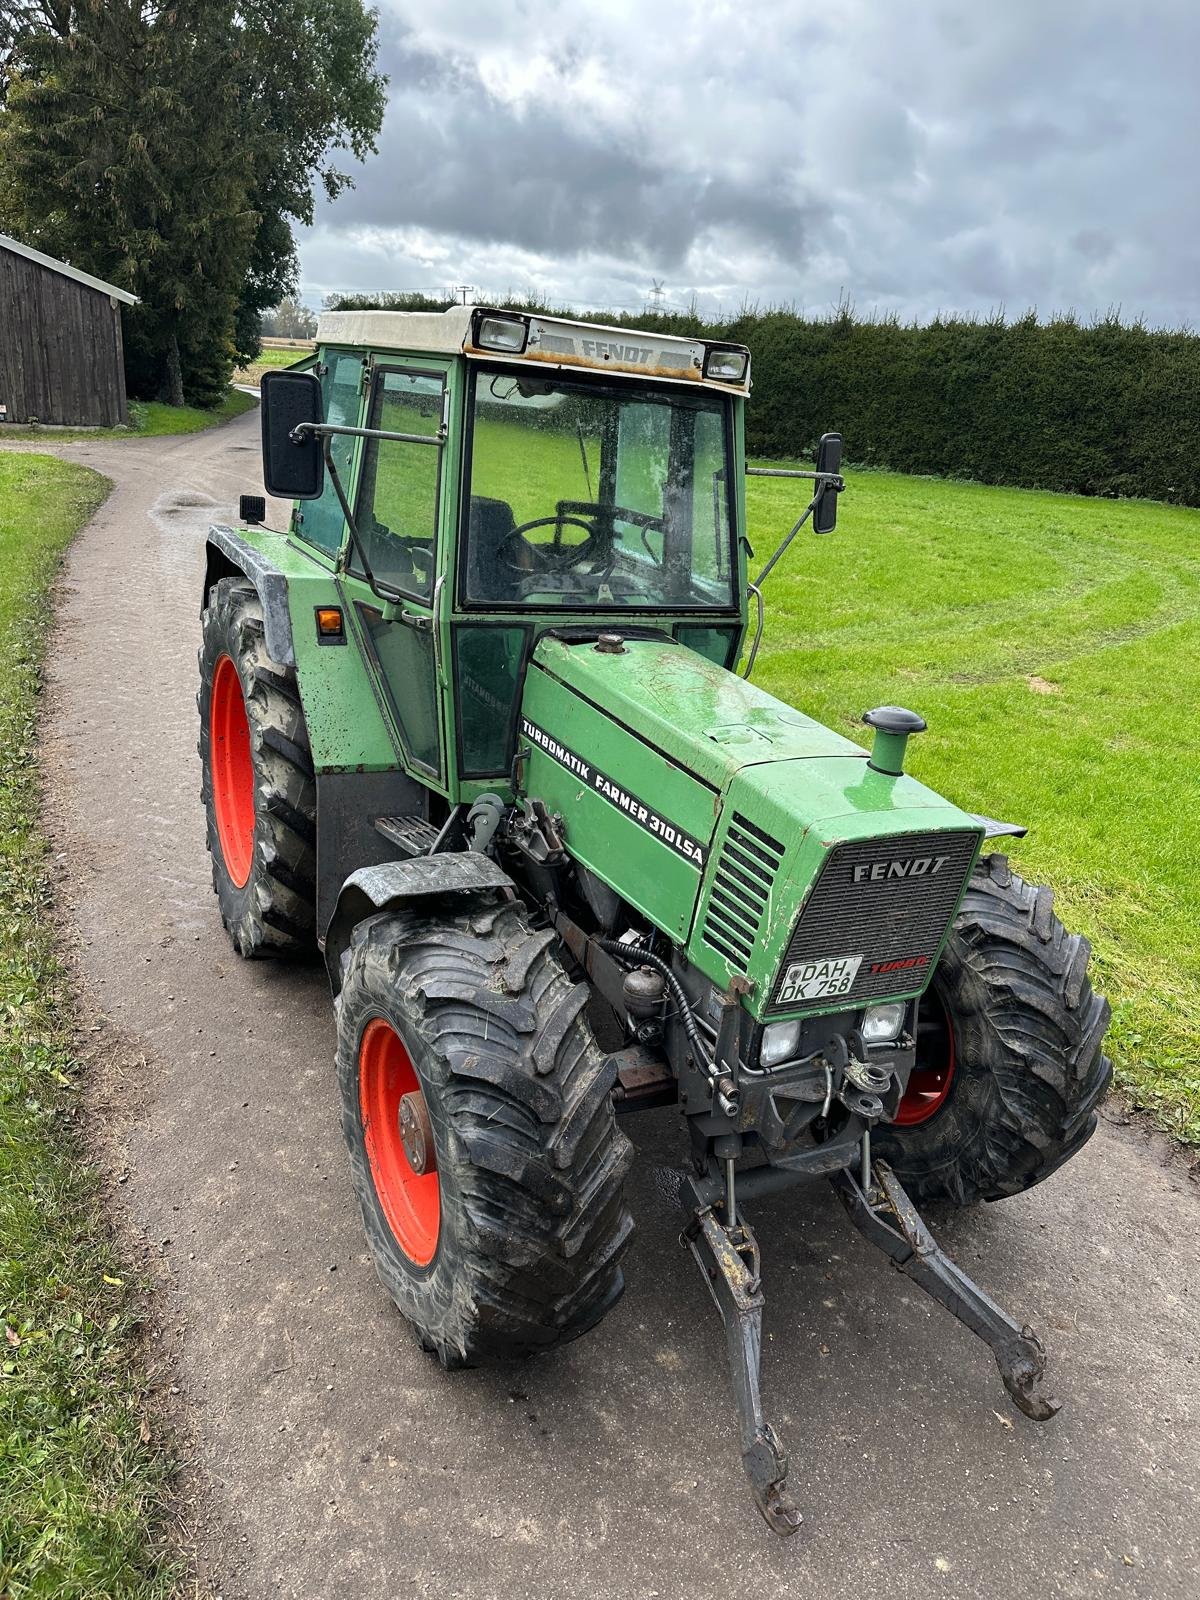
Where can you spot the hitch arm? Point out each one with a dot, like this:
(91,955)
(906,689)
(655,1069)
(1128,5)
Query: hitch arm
(888,1218)
(728,1258)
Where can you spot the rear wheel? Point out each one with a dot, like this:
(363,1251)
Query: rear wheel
(1010,1066)
(477,1111)
(258,787)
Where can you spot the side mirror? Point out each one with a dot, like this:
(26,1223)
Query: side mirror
(292,470)
(829,459)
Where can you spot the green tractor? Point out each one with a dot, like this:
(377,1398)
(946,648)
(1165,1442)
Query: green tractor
(471,728)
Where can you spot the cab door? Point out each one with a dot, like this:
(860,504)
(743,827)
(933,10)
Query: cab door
(397,514)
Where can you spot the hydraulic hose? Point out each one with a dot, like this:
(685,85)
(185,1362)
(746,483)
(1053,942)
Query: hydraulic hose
(635,954)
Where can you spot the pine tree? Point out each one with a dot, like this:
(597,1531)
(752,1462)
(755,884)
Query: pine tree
(166,145)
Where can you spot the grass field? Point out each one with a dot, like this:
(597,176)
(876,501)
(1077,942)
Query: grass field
(270,356)
(82,1490)
(1053,645)
(147,420)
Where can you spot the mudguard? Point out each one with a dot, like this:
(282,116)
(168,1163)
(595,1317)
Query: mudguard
(227,553)
(399,883)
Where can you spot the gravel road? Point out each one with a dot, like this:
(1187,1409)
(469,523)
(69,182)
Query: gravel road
(330,1458)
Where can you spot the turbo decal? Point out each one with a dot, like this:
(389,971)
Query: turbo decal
(634,808)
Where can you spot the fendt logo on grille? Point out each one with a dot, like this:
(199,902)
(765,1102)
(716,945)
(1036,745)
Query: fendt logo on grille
(918,867)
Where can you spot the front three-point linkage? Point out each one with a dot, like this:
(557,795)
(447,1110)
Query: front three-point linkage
(728,1257)
(887,1217)
(727,1251)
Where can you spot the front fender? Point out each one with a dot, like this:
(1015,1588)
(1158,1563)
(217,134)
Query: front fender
(399,883)
(227,554)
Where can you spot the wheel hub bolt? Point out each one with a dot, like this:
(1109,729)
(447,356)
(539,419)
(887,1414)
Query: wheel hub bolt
(416,1133)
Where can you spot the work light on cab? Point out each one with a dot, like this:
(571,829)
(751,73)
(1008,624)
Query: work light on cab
(726,363)
(506,335)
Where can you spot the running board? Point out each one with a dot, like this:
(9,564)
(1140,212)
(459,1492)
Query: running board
(413,835)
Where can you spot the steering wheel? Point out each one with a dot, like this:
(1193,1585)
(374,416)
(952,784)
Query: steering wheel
(552,557)
(644,521)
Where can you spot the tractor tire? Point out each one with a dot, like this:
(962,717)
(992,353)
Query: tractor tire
(258,788)
(500,1232)
(1010,1068)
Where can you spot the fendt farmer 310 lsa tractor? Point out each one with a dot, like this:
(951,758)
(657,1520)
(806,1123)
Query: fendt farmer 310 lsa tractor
(472,728)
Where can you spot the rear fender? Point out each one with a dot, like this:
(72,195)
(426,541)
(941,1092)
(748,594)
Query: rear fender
(397,884)
(227,555)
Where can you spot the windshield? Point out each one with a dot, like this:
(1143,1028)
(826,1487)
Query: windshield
(584,496)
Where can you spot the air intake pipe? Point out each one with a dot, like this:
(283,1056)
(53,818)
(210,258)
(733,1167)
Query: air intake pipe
(894,725)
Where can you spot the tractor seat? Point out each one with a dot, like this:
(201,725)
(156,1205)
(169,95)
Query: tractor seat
(489,577)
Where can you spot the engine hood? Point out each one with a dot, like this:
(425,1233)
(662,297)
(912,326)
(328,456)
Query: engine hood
(717,811)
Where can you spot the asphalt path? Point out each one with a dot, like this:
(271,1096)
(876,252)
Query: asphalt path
(326,1456)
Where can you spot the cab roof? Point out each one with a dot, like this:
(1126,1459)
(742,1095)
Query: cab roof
(550,341)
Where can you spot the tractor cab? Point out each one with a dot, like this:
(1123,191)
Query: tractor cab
(491,477)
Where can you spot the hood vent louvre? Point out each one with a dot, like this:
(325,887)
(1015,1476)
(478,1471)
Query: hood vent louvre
(741,891)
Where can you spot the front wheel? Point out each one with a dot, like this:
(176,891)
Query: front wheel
(477,1109)
(1010,1065)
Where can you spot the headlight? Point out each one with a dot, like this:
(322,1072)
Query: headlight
(501,333)
(779,1042)
(726,363)
(882,1024)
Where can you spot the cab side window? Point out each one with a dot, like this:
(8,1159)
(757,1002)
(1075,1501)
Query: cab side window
(398,494)
(321,521)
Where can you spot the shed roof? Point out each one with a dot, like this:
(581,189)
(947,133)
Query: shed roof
(67,271)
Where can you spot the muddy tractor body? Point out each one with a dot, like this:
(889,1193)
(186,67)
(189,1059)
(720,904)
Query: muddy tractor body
(473,728)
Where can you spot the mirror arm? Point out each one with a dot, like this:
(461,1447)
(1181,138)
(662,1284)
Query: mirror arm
(835,479)
(826,482)
(384,591)
(327,430)
(808,511)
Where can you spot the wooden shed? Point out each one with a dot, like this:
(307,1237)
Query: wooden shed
(61,356)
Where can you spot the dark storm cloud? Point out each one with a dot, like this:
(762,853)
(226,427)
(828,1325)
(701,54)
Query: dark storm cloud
(457,159)
(938,156)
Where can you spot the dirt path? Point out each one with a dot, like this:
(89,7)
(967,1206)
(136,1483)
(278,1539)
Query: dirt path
(337,1461)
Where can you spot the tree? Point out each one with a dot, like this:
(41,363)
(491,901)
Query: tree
(311,91)
(290,320)
(166,145)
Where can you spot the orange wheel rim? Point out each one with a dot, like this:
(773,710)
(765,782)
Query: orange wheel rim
(411,1200)
(930,1080)
(232,771)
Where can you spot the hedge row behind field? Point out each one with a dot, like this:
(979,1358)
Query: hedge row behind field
(1091,408)
(1099,409)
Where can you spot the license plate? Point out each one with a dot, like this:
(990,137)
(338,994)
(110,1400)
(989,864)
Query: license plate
(818,980)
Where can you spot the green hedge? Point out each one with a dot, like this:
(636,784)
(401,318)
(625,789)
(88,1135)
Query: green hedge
(1101,408)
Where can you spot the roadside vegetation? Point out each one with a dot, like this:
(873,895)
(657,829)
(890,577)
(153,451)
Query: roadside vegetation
(148,419)
(1053,644)
(82,1487)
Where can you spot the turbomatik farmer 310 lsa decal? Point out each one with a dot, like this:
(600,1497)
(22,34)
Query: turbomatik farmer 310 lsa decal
(563,863)
(635,809)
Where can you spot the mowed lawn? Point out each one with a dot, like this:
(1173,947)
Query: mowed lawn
(148,419)
(1053,645)
(83,1486)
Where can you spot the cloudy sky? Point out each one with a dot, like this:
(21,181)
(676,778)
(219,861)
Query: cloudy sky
(934,155)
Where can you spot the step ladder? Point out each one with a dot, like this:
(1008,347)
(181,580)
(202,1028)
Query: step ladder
(412,835)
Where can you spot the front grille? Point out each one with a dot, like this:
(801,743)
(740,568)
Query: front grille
(891,918)
(742,884)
